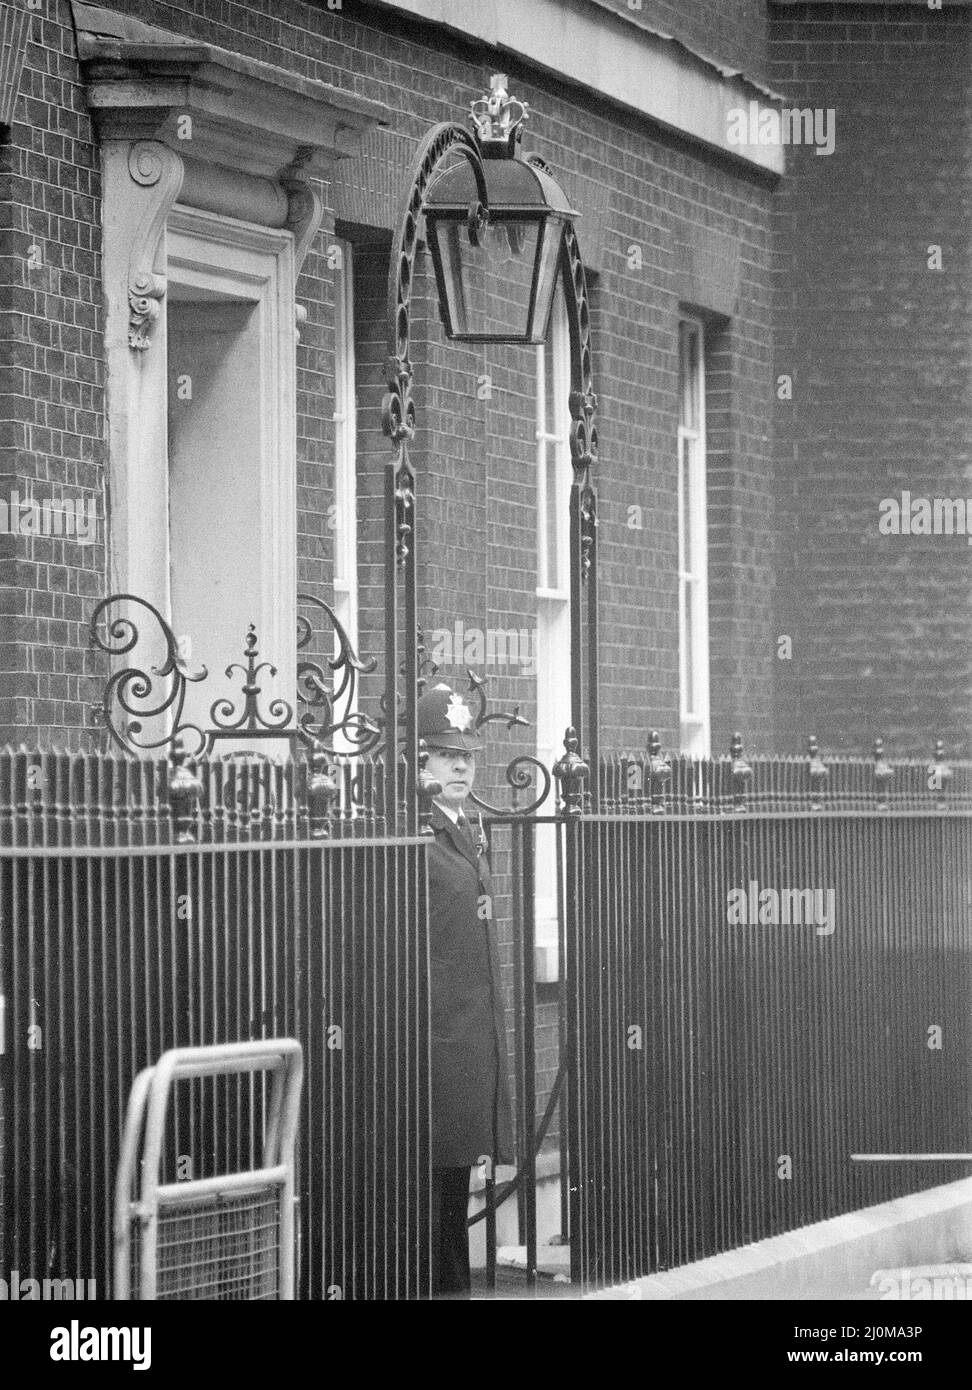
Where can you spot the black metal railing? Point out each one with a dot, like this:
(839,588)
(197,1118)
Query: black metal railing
(121,935)
(769,970)
(729,1034)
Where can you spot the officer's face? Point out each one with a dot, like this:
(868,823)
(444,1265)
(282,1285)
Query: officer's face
(455,772)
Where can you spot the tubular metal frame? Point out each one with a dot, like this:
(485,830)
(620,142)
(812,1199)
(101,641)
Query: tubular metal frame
(148,1107)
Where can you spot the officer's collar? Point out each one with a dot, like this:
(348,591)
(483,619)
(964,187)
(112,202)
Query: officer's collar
(446,811)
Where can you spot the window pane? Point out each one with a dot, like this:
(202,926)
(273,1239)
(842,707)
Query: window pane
(688,549)
(345,447)
(554,425)
(553,452)
(555,565)
(692,544)
(689,375)
(689,636)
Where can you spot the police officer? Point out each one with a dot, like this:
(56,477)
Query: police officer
(471,1115)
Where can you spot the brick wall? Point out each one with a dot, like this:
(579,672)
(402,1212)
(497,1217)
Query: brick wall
(475,456)
(51,390)
(654,191)
(878,346)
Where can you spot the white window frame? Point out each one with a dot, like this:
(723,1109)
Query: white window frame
(552,645)
(212,253)
(345,447)
(693,583)
(548,437)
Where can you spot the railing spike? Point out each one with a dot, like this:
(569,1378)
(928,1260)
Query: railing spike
(659,772)
(939,773)
(570,771)
(184,792)
(322,792)
(883,773)
(818,772)
(741,773)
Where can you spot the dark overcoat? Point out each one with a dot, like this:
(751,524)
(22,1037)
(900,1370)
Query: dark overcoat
(471,1115)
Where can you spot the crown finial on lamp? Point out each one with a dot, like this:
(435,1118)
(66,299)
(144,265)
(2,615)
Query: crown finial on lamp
(497,116)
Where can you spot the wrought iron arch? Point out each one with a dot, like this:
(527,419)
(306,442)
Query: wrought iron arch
(398,423)
(400,509)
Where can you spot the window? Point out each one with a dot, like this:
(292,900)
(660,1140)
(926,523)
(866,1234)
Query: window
(202,244)
(693,603)
(345,518)
(554,478)
(231,482)
(345,448)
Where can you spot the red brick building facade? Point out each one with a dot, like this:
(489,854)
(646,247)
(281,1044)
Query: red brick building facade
(832,345)
(666,223)
(874,324)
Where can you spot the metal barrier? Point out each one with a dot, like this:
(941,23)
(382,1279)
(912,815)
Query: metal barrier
(769,969)
(118,943)
(229,1236)
(720,1073)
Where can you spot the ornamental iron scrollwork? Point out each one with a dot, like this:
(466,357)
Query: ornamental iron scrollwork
(250,722)
(131,696)
(330,707)
(523,771)
(329,724)
(325,716)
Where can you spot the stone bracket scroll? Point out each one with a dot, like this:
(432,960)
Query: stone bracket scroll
(305,211)
(157,170)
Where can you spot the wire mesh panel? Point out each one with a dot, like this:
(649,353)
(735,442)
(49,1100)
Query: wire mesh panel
(220,1248)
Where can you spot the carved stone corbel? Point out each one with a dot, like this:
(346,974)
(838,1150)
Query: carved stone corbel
(159,170)
(305,211)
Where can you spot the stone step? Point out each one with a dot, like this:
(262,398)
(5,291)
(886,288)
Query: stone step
(553,1261)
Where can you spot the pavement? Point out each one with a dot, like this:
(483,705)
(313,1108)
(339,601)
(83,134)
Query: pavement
(947,1282)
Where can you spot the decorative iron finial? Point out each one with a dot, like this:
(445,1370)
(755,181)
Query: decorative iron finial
(322,792)
(185,789)
(741,773)
(588,513)
(659,772)
(939,773)
(404,510)
(424,665)
(498,117)
(250,722)
(570,771)
(818,771)
(883,773)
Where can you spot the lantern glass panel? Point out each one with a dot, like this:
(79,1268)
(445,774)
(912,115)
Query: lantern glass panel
(489,287)
(547,257)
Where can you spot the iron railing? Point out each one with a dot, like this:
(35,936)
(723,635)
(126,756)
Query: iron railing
(121,938)
(731,1045)
(719,1073)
